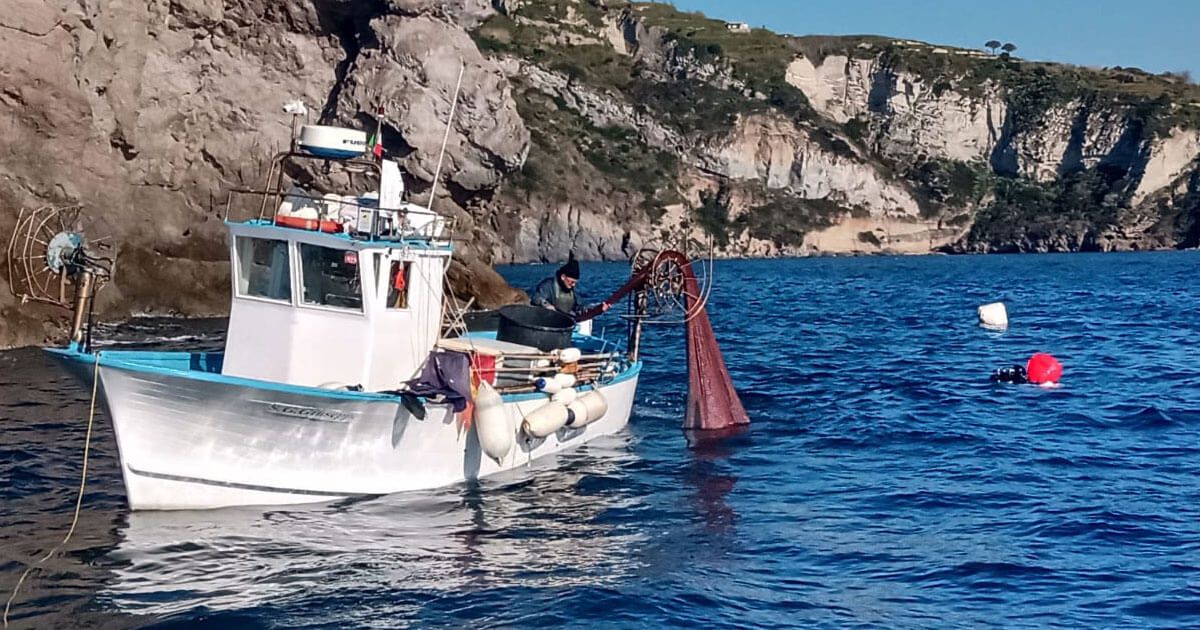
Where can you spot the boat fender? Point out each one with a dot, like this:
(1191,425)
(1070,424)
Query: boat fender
(491,423)
(542,363)
(566,396)
(595,404)
(565,380)
(577,415)
(569,355)
(545,420)
(548,385)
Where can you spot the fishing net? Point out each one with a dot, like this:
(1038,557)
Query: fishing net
(712,401)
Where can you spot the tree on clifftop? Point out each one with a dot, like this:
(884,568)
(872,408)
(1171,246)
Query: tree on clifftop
(1009,47)
(992,45)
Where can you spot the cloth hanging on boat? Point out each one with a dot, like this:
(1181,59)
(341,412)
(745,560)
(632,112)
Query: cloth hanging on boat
(413,404)
(446,374)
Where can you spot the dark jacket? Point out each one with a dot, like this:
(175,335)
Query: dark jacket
(551,292)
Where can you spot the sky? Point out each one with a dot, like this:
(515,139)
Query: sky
(1154,35)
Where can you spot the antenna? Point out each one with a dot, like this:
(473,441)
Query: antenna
(462,67)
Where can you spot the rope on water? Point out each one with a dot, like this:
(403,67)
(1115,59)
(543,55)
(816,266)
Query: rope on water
(87,442)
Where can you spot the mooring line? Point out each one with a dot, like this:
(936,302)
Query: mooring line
(87,442)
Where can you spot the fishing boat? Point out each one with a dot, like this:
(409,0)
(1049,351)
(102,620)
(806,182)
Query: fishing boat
(347,370)
(337,301)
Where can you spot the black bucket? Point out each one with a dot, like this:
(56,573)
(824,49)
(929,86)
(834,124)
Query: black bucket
(480,321)
(535,326)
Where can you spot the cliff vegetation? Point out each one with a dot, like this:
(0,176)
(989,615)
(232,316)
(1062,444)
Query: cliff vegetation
(591,126)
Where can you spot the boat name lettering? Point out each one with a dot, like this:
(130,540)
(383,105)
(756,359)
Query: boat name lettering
(308,413)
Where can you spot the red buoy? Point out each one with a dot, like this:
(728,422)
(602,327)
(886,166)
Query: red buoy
(1043,368)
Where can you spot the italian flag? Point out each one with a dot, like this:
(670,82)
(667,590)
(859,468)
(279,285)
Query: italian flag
(375,144)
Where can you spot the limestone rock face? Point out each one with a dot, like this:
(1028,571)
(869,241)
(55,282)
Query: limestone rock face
(912,117)
(1170,159)
(934,119)
(782,156)
(602,109)
(838,87)
(466,14)
(574,229)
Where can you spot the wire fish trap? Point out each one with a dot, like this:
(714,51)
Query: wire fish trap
(47,252)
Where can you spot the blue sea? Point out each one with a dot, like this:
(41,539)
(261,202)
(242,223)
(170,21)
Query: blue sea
(884,482)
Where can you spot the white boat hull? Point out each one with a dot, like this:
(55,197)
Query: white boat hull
(191,443)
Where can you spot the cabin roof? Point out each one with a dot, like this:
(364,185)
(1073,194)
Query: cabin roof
(267,228)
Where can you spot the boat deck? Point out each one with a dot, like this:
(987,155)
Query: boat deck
(206,366)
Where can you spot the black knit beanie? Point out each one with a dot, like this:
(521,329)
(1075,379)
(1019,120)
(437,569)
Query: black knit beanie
(571,268)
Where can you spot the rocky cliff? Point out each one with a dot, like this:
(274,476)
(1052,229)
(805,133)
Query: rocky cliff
(584,125)
(148,112)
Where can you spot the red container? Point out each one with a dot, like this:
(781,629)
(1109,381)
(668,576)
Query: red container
(485,366)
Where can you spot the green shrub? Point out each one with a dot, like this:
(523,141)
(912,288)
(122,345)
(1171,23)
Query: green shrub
(692,106)
(784,220)
(857,129)
(567,149)
(713,216)
(948,183)
(1087,201)
(620,153)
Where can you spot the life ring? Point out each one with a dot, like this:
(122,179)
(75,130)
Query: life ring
(331,227)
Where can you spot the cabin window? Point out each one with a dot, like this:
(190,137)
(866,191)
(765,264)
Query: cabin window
(263,268)
(398,284)
(330,277)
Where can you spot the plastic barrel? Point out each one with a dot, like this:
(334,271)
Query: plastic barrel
(535,326)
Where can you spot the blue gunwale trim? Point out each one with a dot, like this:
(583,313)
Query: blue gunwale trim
(128,360)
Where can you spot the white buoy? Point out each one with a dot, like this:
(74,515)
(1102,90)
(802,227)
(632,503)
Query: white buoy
(565,380)
(577,415)
(565,396)
(596,405)
(545,420)
(548,385)
(491,423)
(993,316)
(569,355)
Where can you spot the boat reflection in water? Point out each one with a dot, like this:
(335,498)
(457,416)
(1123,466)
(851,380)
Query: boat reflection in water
(545,526)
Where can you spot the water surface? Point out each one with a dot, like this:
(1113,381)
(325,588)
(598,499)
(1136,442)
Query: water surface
(884,483)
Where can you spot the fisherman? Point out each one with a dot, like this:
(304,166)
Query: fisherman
(558,292)
(1041,369)
(1014,374)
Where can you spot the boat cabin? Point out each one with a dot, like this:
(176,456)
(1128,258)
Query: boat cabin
(330,290)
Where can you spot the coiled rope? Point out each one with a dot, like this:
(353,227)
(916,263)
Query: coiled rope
(87,442)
